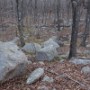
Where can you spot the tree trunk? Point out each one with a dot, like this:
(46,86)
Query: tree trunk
(58,15)
(87,27)
(75,27)
(35,12)
(20,21)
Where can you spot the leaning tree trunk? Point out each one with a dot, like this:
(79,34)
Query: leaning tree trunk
(75,27)
(87,27)
(20,20)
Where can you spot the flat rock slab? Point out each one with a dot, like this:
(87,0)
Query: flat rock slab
(80,61)
(35,75)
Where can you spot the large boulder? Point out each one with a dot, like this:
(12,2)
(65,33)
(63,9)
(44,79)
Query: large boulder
(12,61)
(31,48)
(50,42)
(47,53)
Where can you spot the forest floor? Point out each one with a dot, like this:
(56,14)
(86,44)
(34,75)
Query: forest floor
(66,75)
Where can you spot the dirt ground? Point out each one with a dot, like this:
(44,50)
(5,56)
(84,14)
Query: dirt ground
(66,76)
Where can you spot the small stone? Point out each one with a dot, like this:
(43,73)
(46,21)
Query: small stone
(86,70)
(42,63)
(35,75)
(42,88)
(34,63)
(48,79)
(88,46)
(28,89)
(54,89)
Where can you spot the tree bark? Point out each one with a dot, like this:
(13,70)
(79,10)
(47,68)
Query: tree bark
(20,21)
(58,15)
(75,27)
(87,27)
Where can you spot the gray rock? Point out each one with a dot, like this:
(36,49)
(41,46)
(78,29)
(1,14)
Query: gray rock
(54,38)
(12,61)
(41,62)
(57,40)
(54,89)
(80,61)
(42,88)
(47,53)
(86,52)
(31,48)
(88,46)
(63,56)
(48,79)
(50,42)
(66,43)
(15,40)
(35,75)
(86,70)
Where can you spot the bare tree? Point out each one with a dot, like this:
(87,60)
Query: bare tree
(20,20)
(87,27)
(35,11)
(58,15)
(75,27)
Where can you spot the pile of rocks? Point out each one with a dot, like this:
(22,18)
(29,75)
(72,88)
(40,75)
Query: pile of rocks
(13,61)
(46,51)
(37,74)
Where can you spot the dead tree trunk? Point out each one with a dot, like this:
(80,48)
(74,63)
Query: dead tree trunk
(75,25)
(20,21)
